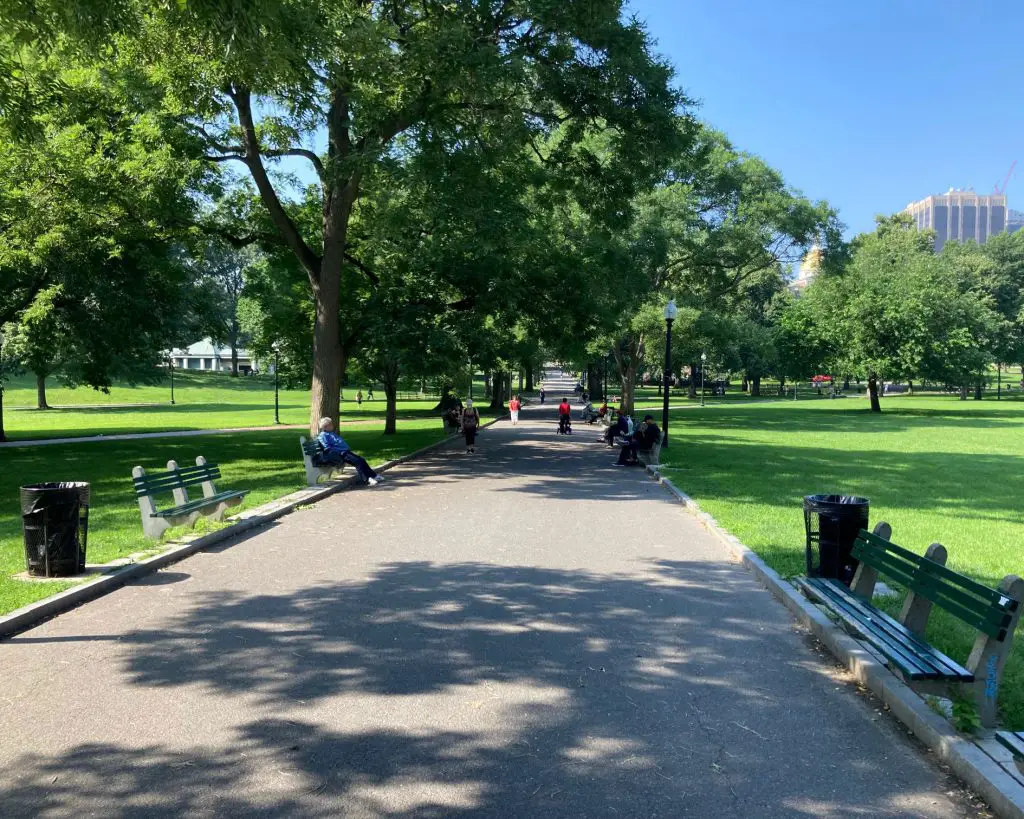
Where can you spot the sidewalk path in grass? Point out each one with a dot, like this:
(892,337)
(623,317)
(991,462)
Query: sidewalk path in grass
(528,632)
(187,433)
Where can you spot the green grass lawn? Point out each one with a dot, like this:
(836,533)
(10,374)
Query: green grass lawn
(202,401)
(266,463)
(937,469)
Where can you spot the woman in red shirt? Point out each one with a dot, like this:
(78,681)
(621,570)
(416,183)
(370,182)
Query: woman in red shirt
(564,417)
(513,408)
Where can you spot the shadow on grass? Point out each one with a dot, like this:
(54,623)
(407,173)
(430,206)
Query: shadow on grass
(475,690)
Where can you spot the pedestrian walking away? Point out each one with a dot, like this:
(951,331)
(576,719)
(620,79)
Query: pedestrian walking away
(470,423)
(359,398)
(336,451)
(369,394)
(513,408)
(542,396)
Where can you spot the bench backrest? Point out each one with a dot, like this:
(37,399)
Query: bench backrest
(159,482)
(986,609)
(312,448)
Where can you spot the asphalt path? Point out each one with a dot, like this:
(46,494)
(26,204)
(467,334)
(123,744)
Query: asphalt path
(527,632)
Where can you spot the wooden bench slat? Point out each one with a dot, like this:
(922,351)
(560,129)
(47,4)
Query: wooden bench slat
(990,615)
(1012,740)
(200,503)
(966,583)
(914,657)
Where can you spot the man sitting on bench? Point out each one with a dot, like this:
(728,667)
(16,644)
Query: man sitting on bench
(336,451)
(643,439)
(619,427)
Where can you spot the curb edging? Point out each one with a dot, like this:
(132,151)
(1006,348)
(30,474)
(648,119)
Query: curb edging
(34,613)
(1002,792)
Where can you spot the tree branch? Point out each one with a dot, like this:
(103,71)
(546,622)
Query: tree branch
(352,260)
(282,221)
(303,152)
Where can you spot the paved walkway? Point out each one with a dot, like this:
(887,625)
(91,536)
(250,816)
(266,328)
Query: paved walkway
(529,632)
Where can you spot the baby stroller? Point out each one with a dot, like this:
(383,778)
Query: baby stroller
(564,425)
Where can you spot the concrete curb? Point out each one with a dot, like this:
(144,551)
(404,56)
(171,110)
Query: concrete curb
(1003,792)
(31,615)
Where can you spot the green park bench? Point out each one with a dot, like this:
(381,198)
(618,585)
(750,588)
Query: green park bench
(311,453)
(993,613)
(177,481)
(652,456)
(1014,742)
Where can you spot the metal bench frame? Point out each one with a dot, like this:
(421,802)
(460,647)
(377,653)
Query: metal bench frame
(314,472)
(902,640)
(176,481)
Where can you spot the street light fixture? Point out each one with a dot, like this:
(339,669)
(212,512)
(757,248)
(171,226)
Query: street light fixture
(170,367)
(703,361)
(670,316)
(277,368)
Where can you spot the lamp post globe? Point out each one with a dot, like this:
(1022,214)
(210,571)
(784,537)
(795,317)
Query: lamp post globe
(670,316)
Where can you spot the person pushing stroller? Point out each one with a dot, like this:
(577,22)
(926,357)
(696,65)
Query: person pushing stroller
(565,417)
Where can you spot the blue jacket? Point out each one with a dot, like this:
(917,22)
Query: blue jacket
(332,442)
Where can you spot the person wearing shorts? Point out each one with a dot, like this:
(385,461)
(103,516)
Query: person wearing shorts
(513,408)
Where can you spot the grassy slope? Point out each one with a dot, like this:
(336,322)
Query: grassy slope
(266,463)
(203,401)
(937,469)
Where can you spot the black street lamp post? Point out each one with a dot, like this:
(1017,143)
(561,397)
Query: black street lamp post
(170,367)
(703,361)
(670,316)
(277,369)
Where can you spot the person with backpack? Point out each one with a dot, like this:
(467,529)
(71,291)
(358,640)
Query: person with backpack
(470,424)
(513,409)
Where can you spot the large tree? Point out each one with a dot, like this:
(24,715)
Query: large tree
(336,83)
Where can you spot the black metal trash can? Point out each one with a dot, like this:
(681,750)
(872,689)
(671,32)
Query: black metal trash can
(55,522)
(832,523)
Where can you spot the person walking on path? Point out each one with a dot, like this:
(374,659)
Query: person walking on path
(542,394)
(470,423)
(336,451)
(369,394)
(513,408)
(359,398)
(565,417)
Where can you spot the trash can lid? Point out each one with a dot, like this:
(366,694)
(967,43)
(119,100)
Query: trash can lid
(836,500)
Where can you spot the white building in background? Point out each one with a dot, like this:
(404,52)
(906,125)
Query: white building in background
(205,355)
(809,269)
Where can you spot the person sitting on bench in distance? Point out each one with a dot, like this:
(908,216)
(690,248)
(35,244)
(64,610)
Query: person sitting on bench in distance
(644,438)
(619,427)
(336,451)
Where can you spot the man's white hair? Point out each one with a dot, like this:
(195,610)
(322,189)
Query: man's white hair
(324,422)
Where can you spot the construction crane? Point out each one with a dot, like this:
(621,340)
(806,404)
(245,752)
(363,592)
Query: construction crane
(1001,189)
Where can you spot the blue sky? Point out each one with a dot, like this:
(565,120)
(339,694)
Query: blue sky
(869,104)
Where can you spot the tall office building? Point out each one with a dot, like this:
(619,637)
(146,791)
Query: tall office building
(960,215)
(1015,221)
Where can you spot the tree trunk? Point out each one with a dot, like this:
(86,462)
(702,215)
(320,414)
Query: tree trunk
(963,392)
(977,391)
(487,385)
(529,377)
(873,393)
(782,385)
(745,385)
(41,392)
(391,393)
(693,380)
(594,383)
(755,386)
(846,383)
(3,436)
(498,390)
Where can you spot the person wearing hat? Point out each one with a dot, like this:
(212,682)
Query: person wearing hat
(644,438)
(336,451)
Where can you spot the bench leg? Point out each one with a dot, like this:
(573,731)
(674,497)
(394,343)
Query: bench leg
(865,578)
(209,490)
(989,656)
(179,492)
(916,608)
(151,527)
(222,507)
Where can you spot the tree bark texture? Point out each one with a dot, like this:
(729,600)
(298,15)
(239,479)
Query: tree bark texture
(873,393)
(41,392)
(977,391)
(693,380)
(390,378)
(755,386)
(498,388)
(745,385)
(529,377)
(3,436)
